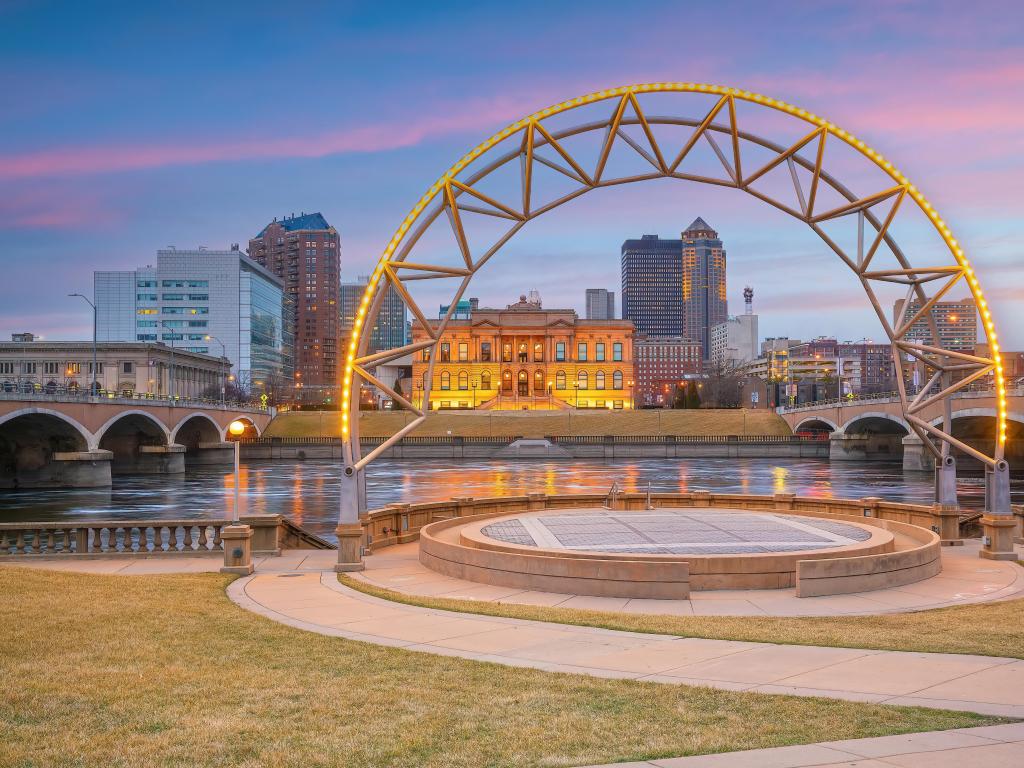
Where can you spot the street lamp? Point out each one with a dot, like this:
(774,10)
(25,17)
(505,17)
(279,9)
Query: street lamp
(171,389)
(95,369)
(236,428)
(211,337)
(576,386)
(473,385)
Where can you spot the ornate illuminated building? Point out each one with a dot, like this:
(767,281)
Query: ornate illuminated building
(704,303)
(525,357)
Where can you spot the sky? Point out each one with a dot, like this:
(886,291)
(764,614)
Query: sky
(128,127)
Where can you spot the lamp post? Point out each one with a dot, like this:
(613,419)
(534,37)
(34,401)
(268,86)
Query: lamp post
(236,428)
(473,385)
(211,337)
(576,386)
(95,369)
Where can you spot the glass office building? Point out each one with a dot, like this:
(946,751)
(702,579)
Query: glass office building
(198,300)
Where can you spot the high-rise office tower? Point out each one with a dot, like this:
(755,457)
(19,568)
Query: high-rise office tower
(390,330)
(600,304)
(652,278)
(304,251)
(197,301)
(956,322)
(704,301)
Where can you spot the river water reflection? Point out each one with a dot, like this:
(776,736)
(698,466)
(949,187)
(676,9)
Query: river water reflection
(307,491)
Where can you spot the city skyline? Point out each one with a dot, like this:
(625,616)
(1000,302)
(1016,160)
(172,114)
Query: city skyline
(365,155)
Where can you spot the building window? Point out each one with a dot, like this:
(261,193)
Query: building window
(485,380)
(538,352)
(524,383)
(51,369)
(522,353)
(599,380)
(506,353)
(174,297)
(463,352)
(446,380)
(446,352)
(560,380)
(581,351)
(145,297)
(128,367)
(463,380)
(559,351)
(506,381)
(426,355)
(147,312)
(485,351)
(617,352)
(7,368)
(617,380)
(29,368)
(582,379)
(145,284)
(599,352)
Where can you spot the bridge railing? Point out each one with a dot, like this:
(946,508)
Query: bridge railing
(887,397)
(69,395)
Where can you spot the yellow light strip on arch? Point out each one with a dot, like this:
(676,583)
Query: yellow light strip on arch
(754,98)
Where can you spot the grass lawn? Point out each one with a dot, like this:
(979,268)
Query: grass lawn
(165,670)
(986,629)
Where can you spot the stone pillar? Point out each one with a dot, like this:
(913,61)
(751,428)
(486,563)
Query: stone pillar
(947,517)
(237,541)
(462,505)
(536,501)
(74,469)
(702,498)
(843,447)
(784,500)
(869,506)
(211,454)
(917,457)
(152,460)
(350,548)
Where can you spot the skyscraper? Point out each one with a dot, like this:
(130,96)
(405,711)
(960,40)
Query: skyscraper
(600,304)
(390,330)
(652,278)
(304,251)
(704,301)
(676,287)
(956,321)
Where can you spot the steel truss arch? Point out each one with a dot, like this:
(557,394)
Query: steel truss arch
(944,372)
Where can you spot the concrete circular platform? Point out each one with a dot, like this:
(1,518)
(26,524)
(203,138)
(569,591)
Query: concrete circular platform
(676,532)
(665,553)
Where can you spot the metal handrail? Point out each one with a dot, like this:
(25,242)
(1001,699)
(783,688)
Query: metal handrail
(887,397)
(118,398)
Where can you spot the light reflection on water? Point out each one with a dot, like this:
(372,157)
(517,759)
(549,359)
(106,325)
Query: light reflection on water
(306,491)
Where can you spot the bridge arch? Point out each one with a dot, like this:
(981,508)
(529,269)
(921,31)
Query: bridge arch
(876,422)
(541,143)
(196,427)
(140,444)
(251,428)
(31,441)
(816,424)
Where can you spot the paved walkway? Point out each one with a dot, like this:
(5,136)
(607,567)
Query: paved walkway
(995,746)
(965,578)
(317,602)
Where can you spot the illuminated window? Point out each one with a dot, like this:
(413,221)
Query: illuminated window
(599,380)
(463,352)
(582,379)
(560,380)
(463,380)
(617,380)
(446,380)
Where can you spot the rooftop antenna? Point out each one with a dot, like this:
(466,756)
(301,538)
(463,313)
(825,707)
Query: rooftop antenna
(748,299)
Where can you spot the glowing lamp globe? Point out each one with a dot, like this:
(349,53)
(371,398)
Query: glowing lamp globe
(236,428)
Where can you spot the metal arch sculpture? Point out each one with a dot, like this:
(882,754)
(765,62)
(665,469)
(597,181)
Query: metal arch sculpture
(454,192)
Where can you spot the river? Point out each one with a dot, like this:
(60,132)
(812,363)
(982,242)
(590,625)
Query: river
(306,491)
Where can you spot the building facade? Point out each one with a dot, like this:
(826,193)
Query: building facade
(735,341)
(206,302)
(126,368)
(957,323)
(652,279)
(525,357)
(305,253)
(600,304)
(704,299)
(391,328)
(661,363)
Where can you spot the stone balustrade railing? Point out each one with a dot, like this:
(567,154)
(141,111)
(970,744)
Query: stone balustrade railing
(148,538)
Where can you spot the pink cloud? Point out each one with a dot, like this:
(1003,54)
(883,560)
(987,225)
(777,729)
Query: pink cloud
(53,209)
(396,134)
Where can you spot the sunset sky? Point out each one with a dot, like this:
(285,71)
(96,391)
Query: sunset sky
(127,127)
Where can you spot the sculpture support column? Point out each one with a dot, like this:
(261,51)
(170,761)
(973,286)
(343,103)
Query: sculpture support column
(349,530)
(945,481)
(998,524)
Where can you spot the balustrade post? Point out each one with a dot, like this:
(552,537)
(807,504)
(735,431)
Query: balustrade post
(237,549)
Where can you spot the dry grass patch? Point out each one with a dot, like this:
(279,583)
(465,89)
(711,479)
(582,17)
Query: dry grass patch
(984,629)
(165,670)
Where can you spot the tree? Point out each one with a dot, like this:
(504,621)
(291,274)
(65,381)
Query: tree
(722,385)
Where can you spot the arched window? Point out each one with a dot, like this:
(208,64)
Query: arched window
(446,380)
(538,382)
(617,380)
(583,380)
(463,380)
(485,380)
(560,380)
(599,380)
(524,383)
(506,381)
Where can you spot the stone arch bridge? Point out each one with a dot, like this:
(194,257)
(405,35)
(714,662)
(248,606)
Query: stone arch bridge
(71,441)
(873,428)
